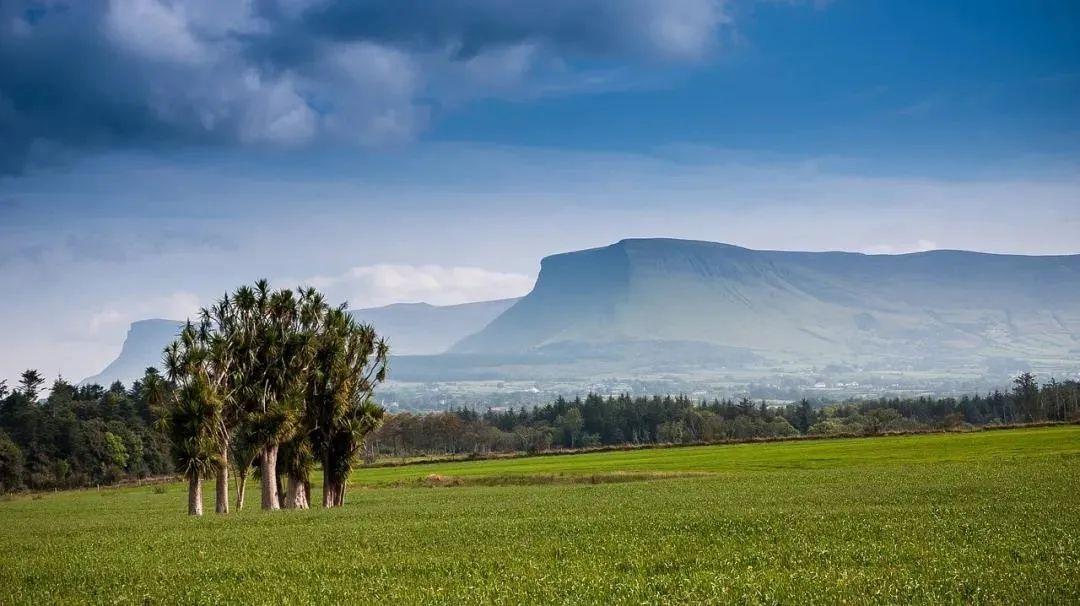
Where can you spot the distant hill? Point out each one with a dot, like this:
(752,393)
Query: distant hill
(420,328)
(941,309)
(411,328)
(656,308)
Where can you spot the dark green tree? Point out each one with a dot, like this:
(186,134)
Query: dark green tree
(804,417)
(29,383)
(11,464)
(1026,396)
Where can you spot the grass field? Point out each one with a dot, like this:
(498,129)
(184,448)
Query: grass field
(987,517)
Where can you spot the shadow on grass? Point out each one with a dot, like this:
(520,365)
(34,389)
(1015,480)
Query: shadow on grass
(615,477)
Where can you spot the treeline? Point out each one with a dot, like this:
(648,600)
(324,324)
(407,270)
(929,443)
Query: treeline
(77,436)
(609,421)
(89,435)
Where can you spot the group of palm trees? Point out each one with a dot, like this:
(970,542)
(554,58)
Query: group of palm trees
(280,378)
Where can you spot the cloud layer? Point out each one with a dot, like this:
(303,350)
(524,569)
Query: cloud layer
(147,73)
(376,285)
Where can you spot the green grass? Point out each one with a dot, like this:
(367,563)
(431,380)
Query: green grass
(769,456)
(988,517)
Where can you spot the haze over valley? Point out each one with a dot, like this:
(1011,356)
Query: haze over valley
(644,315)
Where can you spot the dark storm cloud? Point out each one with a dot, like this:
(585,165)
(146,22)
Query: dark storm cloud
(64,86)
(91,74)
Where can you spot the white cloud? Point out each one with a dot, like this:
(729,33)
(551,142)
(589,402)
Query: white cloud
(380,84)
(154,30)
(108,318)
(375,285)
(105,318)
(686,28)
(275,112)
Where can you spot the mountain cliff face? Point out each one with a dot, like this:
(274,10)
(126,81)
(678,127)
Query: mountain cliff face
(945,307)
(659,306)
(411,328)
(143,346)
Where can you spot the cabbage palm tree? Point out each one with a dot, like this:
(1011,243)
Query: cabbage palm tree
(349,360)
(192,415)
(243,332)
(215,337)
(271,374)
(208,352)
(268,371)
(244,448)
(297,458)
(343,446)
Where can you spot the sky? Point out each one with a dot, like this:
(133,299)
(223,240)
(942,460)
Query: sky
(155,154)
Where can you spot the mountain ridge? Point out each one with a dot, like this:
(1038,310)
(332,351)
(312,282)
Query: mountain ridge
(411,328)
(834,306)
(648,305)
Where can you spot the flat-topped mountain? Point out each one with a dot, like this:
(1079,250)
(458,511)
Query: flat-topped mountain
(946,307)
(662,306)
(143,347)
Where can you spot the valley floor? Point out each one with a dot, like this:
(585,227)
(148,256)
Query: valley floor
(987,517)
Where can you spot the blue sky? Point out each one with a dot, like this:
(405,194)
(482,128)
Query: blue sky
(908,83)
(158,153)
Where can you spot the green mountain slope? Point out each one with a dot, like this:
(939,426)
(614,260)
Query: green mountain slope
(945,307)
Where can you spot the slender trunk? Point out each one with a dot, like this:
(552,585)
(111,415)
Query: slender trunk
(221,489)
(297,495)
(241,486)
(328,499)
(194,498)
(268,469)
(339,493)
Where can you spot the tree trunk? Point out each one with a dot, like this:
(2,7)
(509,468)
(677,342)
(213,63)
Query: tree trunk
(241,486)
(268,470)
(297,495)
(333,492)
(328,486)
(194,494)
(221,489)
(331,489)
